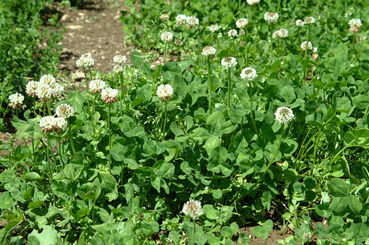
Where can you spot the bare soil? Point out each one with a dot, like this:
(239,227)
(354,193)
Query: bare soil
(95,28)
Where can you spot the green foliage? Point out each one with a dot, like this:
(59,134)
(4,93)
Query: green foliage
(121,172)
(26,51)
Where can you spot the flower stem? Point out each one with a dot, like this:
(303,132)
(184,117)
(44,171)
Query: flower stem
(109,128)
(121,79)
(251,109)
(60,151)
(210,86)
(164,120)
(276,151)
(71,139)
(229,88)
(92,115)
(165,52)
(194,232)
(279,4)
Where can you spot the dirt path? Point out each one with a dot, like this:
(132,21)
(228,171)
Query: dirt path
(95,28)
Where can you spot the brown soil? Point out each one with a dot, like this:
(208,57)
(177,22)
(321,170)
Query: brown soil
(95,28)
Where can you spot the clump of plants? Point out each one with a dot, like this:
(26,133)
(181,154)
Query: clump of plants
(26,49)
(265,126)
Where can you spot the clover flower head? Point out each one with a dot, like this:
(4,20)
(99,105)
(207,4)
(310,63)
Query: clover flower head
(232,33)
(192,21)
(208,50)
(31,88)
(96,86)
(120,59)
(213,28)
(16,100)
(178,42)
(282,33)
(253,2)
(166,36)
(109,95)
(181,19)
(85,61)
(118,68)
(355,25)
(284,115)
(271,17)
(229,62)
(309,20)
(53,124)
(300,23)
(241,23)
(164,17)
(307,45)
(64,111)
(56,90)
(192,208)
(47,80)
(164,92)
(44,91)
(248,73)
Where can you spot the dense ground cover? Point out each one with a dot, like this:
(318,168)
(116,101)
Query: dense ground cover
(255,118)
(26,50)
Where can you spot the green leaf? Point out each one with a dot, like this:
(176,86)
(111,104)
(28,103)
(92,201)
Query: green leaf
(163,169)
(310,182)
(6,201)
(199,134)
(338,187)
(76,99)
(355,204)
(48,236)
(108,182)
(210,212)
(211,144)
(263,230)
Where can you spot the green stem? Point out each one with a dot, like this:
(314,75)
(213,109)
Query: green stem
(279,4)
(121,79)
(164,120)
(86,80)
(194,232)
(210,86)
(109,128)
(165,53)
(229,88)
(70,136)
(33,149)
(49,107)
(251,109)
(60,151)
(276,151)
(92,115)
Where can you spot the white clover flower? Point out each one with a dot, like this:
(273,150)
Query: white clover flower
(282,33)
(232,33)
(213,28)
(229,62)
(118,68)
(248,73)
(253,2)
(208,50)
(164,92)
(241,23)
(284,115)
(192,21)
(31,88)
(192,208)
(178,42)
(166,36)
(96,86)
(64,110)
(271,17)
(181,19)
(309,20)
(307,45)
(44,91)
(164,17)
(56,90)
(60,124)
(300,23)
(315,49)
(16,100)
(109,95)
(355,25)
(47,123)
(47,80)
(85,61)
(120,59)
